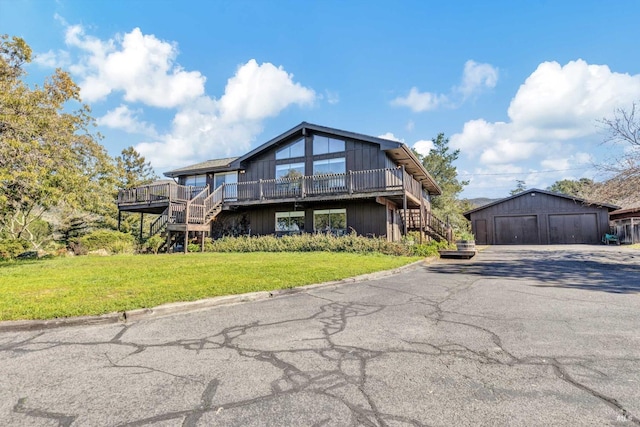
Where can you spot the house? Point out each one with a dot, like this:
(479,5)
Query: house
(536,217)
(625,223)
(310,179)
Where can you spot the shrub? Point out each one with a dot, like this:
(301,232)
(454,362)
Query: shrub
(429,249)
(11,248)
(112,241)
(153,243)
(307,243)
(193,247)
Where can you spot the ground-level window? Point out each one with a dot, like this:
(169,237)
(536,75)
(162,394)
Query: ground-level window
(330,221)
(289,222)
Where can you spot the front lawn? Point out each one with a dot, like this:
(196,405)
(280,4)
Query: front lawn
(65,287)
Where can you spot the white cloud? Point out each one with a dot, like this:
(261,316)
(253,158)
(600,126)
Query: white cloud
(141,66)
(391,137)
(260,91)
(423,146)
(125,119)
(208,128)
(554,105)
(420,101)
(332,97)
(475,78)
(137,67)
(53,59)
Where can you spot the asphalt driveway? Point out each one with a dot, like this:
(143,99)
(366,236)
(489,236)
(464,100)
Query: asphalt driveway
(515,336)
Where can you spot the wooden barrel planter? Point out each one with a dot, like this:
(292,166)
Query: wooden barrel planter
(466,245)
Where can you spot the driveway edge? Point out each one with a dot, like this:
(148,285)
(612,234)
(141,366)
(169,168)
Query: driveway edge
(186,306)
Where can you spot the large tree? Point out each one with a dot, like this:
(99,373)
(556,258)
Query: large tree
(49,155)
(439,162)
(570,187)
(623,129)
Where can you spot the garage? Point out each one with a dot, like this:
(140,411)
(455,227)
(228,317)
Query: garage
(573,229)
(536,217)
(517,230)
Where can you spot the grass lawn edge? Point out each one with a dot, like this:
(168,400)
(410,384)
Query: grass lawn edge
(188,306)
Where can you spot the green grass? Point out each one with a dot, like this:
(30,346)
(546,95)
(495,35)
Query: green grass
(65,287)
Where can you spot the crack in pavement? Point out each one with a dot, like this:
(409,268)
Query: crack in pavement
(321,365)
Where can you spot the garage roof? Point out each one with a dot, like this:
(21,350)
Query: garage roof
(550,193)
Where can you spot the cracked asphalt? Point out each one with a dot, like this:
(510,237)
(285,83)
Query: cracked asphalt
(515,336)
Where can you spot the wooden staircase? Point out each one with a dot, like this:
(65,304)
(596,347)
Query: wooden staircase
(184,216)
(427,223)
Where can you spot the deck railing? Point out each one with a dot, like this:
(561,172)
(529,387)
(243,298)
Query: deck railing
(166,191)
(352,182)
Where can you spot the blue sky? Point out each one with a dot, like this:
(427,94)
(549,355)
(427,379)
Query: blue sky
(516,86)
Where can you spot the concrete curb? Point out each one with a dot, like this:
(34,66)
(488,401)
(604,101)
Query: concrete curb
(183,307)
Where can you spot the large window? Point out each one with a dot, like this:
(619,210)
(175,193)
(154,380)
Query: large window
(329,166)
(290,170)
(332,221)
(196,180)
(295,149)
(329,182)
(325,145)
(289,222)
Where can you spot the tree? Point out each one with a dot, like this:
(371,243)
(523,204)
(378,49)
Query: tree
(623,128)
(577,188)
(520,187)
(440,164)
(133,169)
(48,155)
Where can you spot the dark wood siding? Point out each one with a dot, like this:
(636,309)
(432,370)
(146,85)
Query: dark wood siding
(553,219)
(366,217)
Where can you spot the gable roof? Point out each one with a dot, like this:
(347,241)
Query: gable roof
(398,151)
(609,207)
(203,167)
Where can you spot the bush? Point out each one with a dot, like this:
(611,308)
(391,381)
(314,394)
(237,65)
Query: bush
(114,242)
(429,249)
(307,243)
(153,243)
(193,247)
(11,248)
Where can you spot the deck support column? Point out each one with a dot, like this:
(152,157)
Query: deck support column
(202,242)
(119,218)
(422,225)
(186,239)
(168,241)
(141,224)
(404,203)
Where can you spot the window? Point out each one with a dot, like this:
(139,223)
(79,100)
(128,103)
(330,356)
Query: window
(332,221)
(325,145)
(329,166)
(290,170)
(323,184)
(295,149)
(195,180)
(229,178)
(289,222)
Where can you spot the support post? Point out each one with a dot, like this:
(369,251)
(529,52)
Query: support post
(421,217)
(186,239)
(202,242)
(141,224)
(119,218)
(404,202)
